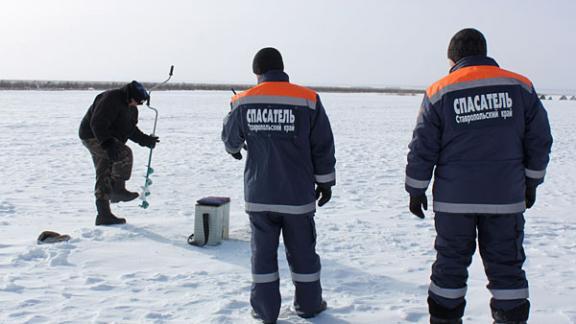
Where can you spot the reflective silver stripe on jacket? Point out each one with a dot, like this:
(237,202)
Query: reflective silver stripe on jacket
(475,84)
(276,100)
(283,209)
(535,174)
(300,277)
(449,293)
(264,278)
(479,208)
(418,184)
(509,294)
(323,178)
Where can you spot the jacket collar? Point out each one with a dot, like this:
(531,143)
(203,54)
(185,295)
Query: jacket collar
(473,61)
(273,76)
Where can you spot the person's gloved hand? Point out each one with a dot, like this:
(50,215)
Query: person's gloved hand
(416,204)
(237,155)
(325,192)
(530,196)
(149,141)
(112,149)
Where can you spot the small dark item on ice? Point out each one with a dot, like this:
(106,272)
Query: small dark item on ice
(47,237)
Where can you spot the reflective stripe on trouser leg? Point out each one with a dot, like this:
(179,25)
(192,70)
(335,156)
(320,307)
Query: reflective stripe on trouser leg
(449,293)
(265,294)
(455,245)
(299,233)
(500,238)
(265,278)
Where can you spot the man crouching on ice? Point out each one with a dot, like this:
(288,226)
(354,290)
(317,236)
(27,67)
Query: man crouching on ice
(109,122)
(291,150)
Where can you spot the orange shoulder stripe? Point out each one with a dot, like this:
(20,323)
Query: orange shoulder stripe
(473,73)
(283,89)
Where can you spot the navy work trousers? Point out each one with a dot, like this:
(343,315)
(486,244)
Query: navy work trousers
(299,234)
(500,240)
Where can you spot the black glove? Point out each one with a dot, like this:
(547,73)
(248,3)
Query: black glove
(149,141)
(530,196)
(237,155)
(112,149)
(416,204)
(325,192)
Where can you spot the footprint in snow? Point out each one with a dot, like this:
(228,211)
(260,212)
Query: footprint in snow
(102,287)
(93,280)
(414,315)
(7,208)
(94,234)
(158,316)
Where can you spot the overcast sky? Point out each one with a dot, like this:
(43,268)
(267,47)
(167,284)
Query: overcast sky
(324,42)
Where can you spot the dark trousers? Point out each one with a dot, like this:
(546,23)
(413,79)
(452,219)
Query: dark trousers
(500,240)
(299,233)
(107,171)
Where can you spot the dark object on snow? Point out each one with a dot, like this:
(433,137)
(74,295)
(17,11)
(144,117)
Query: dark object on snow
(257,317)
(323,306)
(467,42)
(563,98)
(417,203)
(119,192)
(47,237)
(237,155)
(325,192)
(267,59)
(573,98)
(542,97)
(517,315)
(105,216)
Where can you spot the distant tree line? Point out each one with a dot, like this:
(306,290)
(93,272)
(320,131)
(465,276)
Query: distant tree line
(104,85)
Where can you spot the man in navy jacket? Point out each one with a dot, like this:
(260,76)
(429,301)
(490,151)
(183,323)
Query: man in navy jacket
(290,164)
(484,133)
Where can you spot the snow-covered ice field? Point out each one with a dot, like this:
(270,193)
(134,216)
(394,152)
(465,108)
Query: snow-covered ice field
(376,256)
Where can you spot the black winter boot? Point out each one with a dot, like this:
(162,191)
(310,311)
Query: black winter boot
(517,315)
(257,316)
(119,192)
(105,216)
(442,315)
(321,308)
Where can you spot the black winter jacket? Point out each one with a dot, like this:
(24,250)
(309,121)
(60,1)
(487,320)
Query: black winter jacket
(111,117)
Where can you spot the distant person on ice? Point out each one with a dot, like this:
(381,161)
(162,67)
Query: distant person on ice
(110,121)
(290,164)
(487,134)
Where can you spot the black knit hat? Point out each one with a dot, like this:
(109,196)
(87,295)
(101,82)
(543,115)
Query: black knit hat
(267,59)
(137,91)
(467,42)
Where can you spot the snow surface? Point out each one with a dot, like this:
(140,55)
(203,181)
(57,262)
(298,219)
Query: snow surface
(376,256)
